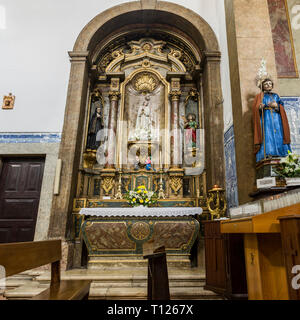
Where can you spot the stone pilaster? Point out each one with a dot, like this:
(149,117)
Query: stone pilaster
(70,147)
(249,38)
(213,121)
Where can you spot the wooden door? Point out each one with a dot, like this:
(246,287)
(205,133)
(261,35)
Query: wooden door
(20,187)
(215,263)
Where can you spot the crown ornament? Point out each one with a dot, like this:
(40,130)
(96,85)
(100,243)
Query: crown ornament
(262,74)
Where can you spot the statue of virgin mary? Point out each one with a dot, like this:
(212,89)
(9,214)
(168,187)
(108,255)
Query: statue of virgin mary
(143,122)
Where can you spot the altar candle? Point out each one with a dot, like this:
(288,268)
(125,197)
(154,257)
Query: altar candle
(160,164)
(120,160)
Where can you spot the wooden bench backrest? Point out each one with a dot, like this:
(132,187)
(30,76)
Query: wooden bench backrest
(21,256)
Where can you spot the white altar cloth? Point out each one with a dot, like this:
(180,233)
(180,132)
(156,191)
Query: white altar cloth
(141,212)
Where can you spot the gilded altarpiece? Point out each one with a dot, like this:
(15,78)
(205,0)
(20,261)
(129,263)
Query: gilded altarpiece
(143,97)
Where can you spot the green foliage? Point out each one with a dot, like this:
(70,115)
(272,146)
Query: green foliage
(289,166)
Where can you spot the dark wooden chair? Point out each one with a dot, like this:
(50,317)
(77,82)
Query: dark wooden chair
(21,256)
(158,280)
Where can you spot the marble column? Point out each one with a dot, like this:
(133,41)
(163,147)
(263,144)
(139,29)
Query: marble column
(112,130)
(175,130)
(70,146)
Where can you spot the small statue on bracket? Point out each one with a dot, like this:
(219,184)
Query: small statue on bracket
(96,124)
(148,164)
(191,133)
(137,163)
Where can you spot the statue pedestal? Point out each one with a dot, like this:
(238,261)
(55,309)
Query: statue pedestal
(265,169)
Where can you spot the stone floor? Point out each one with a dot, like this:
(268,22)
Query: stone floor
(114,284)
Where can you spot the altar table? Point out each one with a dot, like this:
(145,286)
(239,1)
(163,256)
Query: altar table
(114,237)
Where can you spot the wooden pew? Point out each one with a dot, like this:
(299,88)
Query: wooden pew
(22,256)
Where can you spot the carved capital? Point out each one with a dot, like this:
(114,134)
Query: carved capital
(175,95)
(114,95)
(78,56)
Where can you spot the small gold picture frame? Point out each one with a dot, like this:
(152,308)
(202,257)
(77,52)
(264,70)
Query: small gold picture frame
(8,101)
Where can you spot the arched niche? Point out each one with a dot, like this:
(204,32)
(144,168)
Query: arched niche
(100,31)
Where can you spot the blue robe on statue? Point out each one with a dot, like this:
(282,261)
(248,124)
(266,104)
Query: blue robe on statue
(273,130)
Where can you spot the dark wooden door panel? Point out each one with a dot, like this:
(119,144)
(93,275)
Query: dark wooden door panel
(33,178)
(22,180)
(11,179)
(5,233)
(19,208)
(20,186)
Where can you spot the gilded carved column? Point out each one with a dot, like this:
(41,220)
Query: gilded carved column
(175,129)
(175,172)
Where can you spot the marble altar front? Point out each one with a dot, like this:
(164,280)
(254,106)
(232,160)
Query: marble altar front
(114,237)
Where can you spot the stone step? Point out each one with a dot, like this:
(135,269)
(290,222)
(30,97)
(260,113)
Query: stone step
(83,274)
(97,293)
(26,291)
(114,285)
(143,284)
(186,293)
(128,281)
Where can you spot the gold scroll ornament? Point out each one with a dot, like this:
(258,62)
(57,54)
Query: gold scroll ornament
(107,184)
(216,202)
(175,184)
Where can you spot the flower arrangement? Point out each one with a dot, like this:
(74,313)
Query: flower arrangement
(140,196)
(289,166)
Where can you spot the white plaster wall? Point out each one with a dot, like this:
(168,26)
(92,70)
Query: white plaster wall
(35,38)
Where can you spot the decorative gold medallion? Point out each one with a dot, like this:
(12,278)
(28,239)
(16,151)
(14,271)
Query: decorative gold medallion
(140,230)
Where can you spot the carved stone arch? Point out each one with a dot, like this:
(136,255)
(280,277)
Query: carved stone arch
(207,75)
(190,22)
